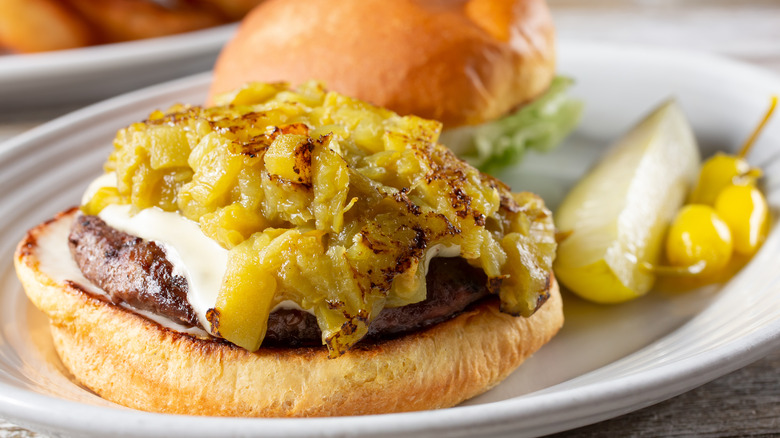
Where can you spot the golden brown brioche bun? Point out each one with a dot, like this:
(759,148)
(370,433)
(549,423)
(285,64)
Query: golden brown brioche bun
(460,62)
(132,361)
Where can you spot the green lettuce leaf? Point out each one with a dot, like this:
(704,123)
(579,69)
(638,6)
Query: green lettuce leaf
(540,125)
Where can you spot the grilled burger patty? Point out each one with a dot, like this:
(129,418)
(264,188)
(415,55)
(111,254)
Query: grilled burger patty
(136,271)
(130,269)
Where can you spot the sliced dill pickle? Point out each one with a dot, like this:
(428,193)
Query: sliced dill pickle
(618,213)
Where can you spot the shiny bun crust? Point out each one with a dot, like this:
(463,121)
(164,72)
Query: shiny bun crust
(137,363)
(460,62)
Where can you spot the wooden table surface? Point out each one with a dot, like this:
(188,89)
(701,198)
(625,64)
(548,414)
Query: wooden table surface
(745,402)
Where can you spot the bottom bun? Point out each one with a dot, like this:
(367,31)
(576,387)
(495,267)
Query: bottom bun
(137,363)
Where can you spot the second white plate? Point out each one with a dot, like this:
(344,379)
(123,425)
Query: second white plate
(78,76)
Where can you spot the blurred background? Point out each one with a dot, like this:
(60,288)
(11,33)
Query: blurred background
(745,30)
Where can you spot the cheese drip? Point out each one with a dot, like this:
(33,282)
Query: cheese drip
(197,258)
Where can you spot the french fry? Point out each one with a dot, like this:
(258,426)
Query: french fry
(41,25)
(124,20)
(44,25)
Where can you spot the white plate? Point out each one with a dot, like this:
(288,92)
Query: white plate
(78,76)
(605,362)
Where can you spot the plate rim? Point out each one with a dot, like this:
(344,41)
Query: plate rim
(70,61)
(25,407)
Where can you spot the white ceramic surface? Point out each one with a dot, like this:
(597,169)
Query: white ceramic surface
(72,77)
(606,361)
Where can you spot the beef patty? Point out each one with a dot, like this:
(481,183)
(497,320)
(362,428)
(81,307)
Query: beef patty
(136,271)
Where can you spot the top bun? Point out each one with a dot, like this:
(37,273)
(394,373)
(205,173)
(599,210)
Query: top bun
(461,62)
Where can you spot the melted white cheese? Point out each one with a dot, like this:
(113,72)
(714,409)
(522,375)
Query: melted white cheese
(440,250)
(56,261)
(194,256)
(290,305)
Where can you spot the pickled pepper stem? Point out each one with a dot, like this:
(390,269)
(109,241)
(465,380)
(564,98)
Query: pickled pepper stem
(749,142)
(675,271)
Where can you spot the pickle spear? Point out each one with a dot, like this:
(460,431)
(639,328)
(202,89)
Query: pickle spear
(614,219)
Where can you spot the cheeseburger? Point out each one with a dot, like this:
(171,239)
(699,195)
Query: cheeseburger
(484,68)
(293,252)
